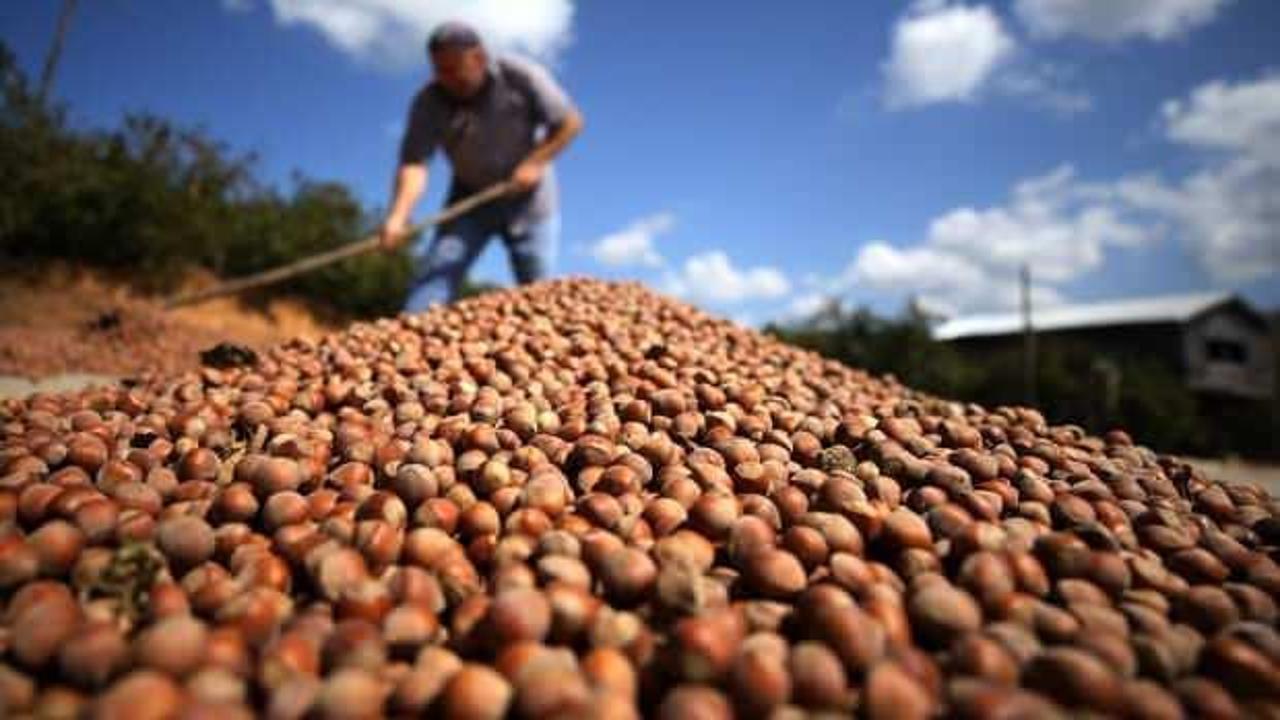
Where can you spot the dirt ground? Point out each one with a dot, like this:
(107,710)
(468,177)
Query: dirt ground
(61,321)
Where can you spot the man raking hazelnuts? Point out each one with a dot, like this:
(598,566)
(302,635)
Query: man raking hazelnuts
(499,119)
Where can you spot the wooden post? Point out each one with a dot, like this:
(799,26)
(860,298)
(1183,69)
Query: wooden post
(1028,338)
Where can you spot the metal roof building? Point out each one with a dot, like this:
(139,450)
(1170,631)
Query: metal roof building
(1139,311)
(1216,341)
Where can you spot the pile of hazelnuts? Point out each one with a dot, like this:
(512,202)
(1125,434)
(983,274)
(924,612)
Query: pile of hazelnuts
(584,500)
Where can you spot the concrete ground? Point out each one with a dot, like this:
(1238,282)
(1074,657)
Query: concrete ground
(1232,470)
(16,386)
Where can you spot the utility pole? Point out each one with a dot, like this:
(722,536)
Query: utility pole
(1028,338)
(55,50)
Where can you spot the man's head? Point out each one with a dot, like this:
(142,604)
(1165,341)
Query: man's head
(458,57)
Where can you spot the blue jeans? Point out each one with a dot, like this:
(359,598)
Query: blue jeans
(441,262)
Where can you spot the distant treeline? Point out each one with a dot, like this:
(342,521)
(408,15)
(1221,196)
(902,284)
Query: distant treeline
(1148,398)
(151,201)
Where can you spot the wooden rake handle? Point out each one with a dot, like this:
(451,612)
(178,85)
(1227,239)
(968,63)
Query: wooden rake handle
(338,254)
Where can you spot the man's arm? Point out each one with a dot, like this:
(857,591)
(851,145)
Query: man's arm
(530,171)
(416,147)
(407,188)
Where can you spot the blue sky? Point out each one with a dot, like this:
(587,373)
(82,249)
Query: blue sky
(755,157)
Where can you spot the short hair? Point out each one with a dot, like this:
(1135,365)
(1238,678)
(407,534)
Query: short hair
(453,35)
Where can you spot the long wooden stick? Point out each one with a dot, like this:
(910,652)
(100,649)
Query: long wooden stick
(307,264)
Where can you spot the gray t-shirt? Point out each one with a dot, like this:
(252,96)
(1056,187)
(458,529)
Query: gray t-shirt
(487,136)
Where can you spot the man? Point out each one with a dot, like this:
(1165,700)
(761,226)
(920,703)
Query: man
(497,119)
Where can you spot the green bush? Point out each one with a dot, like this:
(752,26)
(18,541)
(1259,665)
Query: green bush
(152,201)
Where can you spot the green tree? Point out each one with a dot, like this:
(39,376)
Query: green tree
(901,346)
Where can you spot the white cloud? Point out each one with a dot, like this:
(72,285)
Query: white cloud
(1243,117)
(1233,219)
(806,306)
(1055,222)
(926,269)
(394,32)
(711,277)
(1044,85)
(634,245)
(944,52)
(943,282)
(1226,214)
(970,258)
(815,309)
(1113,20)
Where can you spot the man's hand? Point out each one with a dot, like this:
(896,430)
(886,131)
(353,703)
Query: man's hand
(393,233)
(528,174)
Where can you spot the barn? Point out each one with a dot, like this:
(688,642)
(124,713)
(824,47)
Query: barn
(1216,342)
